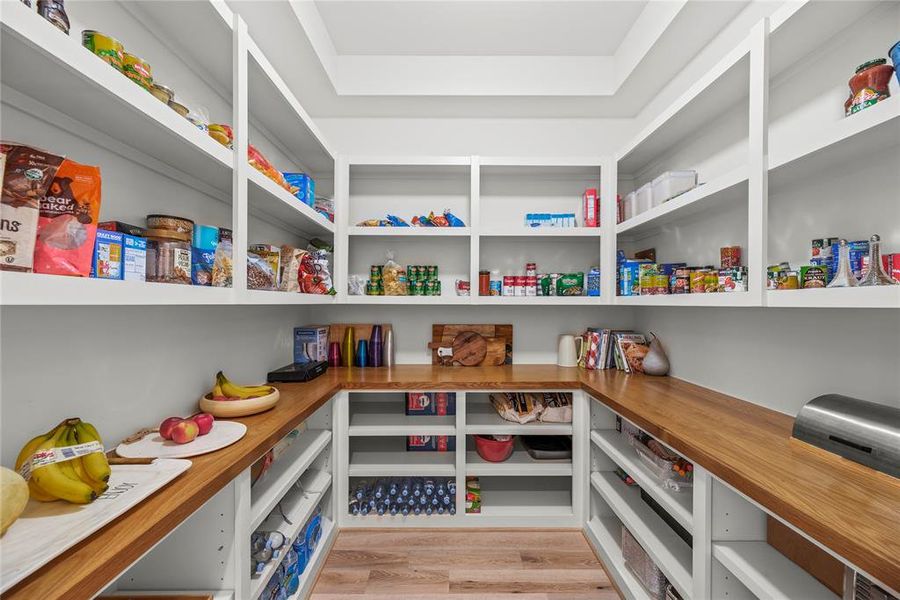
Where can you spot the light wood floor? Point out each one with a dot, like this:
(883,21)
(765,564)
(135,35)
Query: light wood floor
(389,564)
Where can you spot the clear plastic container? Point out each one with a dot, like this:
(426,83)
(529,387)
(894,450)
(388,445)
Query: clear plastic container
(639,562)
(643,198)
(671,184)
(168,256)
(660,467)
(630,201)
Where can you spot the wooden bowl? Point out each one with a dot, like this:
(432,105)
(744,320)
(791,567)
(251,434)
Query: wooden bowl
(238,408)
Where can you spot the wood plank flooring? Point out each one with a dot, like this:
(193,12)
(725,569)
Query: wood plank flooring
(454,564)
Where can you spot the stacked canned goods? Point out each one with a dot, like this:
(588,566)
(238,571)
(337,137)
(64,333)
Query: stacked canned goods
(423,280)
(375,284)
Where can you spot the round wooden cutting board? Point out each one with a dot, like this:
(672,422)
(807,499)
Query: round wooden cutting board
(469,349)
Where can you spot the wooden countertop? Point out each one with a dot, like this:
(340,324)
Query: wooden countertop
(849,508)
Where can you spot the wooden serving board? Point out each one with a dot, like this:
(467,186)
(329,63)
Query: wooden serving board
(499,340)
(361,331)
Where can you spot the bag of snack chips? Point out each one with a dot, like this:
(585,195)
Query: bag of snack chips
(67,226)
(315,277)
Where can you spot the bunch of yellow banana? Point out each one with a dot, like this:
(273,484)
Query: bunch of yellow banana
(79,480)
(226,390)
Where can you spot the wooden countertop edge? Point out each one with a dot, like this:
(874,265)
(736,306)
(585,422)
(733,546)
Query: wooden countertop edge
(80,574)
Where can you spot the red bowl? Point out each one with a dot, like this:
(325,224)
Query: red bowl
(493,451)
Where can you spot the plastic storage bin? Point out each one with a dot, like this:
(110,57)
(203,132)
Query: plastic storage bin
(672,183)
(660,467)
(639,562)
(643,198)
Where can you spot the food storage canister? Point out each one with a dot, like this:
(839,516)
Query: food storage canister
(181,109)
(162,93)
(671,184)
(644,198)
(171,223)
(168,256)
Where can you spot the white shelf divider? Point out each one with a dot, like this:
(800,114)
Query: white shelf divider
(267,197)
(538,300)
(358,231)
(670,553)
(485,420)
(677,504)
(768,573)
(383,420)
(887,296)
(723,189)
(284,473)
(385,457)
(712,299)
(529,232)
(519,463)
(298,507)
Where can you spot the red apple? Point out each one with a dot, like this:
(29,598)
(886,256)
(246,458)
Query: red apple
(204,422)
(165,428)
(185,431)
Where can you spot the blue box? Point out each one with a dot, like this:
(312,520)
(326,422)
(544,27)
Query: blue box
(107,262)
(306,184)
(310,343)
(134,258)
(630,277)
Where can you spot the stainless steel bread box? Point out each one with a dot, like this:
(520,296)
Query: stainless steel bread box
(862,431)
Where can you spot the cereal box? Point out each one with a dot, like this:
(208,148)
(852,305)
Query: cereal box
(430,403)
(430,443)
(134,258)
(107,263)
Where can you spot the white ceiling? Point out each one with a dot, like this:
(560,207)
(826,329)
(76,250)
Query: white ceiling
(469,28)
(483,58)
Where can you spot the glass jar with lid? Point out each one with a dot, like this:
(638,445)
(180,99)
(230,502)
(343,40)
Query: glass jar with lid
(168,256)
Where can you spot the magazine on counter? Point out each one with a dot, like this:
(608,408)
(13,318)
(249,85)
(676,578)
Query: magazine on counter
(631,348)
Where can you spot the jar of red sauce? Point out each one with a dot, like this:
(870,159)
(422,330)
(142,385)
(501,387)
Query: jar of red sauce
(869,85)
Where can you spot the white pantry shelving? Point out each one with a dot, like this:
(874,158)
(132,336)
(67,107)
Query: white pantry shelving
(671,554)
(767,573)
(102,105)
(678,504)
(285,472)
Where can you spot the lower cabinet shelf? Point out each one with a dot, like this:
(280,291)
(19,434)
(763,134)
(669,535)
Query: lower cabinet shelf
(671,554)
(296,507)
(606,535)
(768,573)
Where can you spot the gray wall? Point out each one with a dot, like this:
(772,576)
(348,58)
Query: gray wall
(781,358)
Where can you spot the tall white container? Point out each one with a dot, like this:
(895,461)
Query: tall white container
(644,198)
(672,183)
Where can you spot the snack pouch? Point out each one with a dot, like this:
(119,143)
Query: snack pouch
(453,220)
(315,276)
(27,175)
(290,268)
(222,264)
(260,275)
(394,277)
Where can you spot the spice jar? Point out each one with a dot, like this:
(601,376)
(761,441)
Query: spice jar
(869,85)
(168,256)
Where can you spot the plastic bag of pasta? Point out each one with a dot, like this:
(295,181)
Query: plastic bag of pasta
(394,277)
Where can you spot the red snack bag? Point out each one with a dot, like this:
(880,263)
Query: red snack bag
(67,226)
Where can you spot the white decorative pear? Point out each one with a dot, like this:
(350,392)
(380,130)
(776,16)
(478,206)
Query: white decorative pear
(656,362)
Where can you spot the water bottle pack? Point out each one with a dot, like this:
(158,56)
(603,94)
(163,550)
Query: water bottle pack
(403,496)
(294,556)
